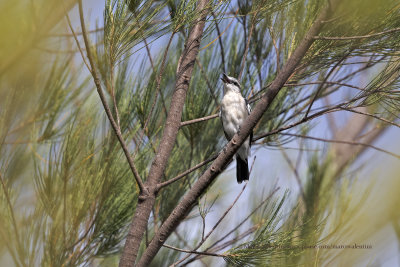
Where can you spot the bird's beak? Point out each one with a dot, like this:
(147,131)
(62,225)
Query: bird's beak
(224,78)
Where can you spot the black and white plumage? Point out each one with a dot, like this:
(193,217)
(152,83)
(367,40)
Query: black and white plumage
(234,111)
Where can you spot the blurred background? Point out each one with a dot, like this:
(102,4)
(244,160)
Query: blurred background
(325,161)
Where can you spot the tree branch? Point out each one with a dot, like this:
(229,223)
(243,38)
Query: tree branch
(173,122)
(13,223)
(209,248)
(253,22)
(115,127)
(321,86)
(220,41)
(206,118)
(356,37)
(215,225)
(373,116)
(194,251)
(158,91)
(77,42)
(186,204)
(342,142)
(179,176)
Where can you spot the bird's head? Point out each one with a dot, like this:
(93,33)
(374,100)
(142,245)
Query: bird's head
(230,83)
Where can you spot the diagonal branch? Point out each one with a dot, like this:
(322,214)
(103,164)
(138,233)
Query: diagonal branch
(322,85)
(13,222)
(372,115)
(206,118)
(215,226)
(189,200)
(194,251)
(179,176)
(158,91)
(356,37)
(77,42)
(234,229)
(107,109)
(253,22)
(343,142)
(220,42)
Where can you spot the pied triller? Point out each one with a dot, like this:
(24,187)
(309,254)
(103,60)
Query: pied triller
(234,111)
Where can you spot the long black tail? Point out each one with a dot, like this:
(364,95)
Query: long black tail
(242,170)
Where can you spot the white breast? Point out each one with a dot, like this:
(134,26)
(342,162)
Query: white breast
(233,112)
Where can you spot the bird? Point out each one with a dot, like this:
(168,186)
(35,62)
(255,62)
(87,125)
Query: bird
(234,110)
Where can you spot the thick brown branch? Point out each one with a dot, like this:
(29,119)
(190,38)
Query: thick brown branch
(190,199)
(173,122)
(105,105)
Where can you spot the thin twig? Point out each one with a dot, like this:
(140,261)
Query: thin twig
(372,115)
(234,240)
(296,173)
(113,95)
(356,37)
(276,48)
(257,96)
(148,53)
(334,108)
(105,105)
(321,86)
(153,68)
(77,42)
(245,219)
(194,251)
(179,176)
(158,91)
(213,116)
(342,142)
(219,36)
(13,220)
(215,226)
(185,123)
(72,35)
(322,82)
(247,47)
(204,75)
(239,225)
(220,42)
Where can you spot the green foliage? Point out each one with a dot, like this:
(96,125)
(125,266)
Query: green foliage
(67,194)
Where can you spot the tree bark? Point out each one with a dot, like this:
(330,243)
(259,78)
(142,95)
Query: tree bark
(172,125)
(190,199)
